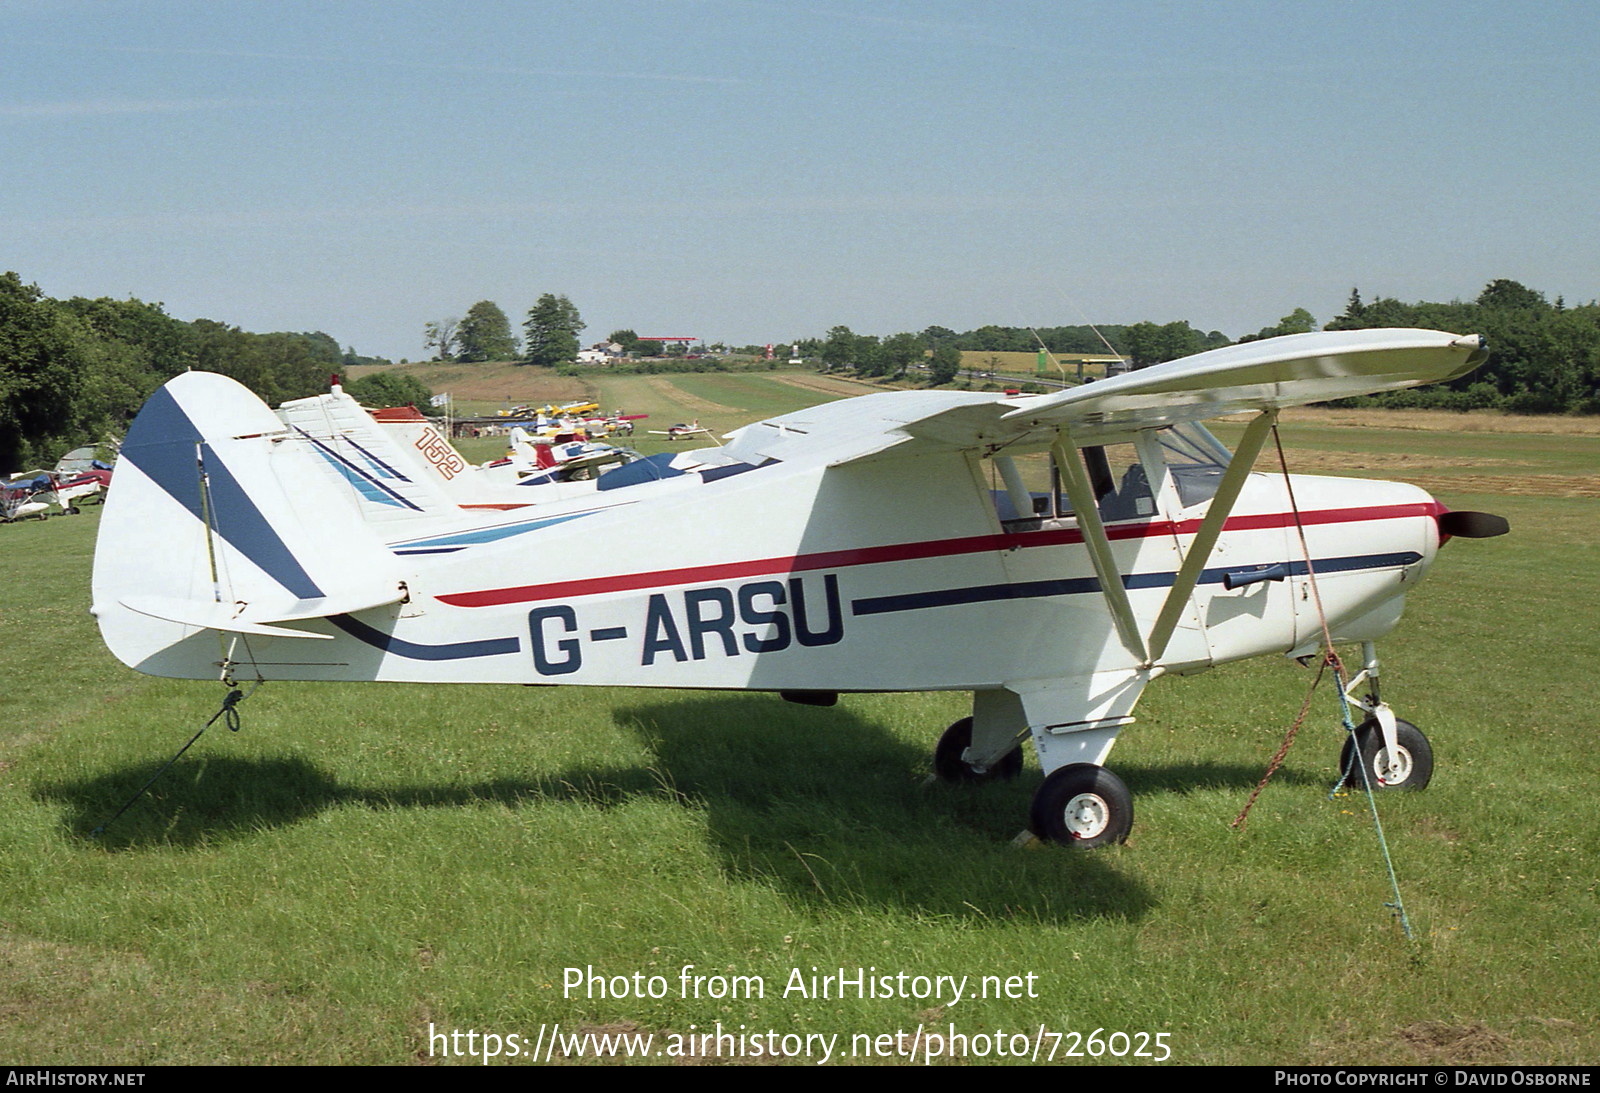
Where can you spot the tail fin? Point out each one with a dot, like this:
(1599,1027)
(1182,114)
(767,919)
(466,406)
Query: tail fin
(394,459)
(222,518)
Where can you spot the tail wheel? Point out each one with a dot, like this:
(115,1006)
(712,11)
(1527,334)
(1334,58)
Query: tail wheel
(951,767)
(1409,766)
(1082,805)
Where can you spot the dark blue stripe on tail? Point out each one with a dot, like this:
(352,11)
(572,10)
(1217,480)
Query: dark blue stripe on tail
(161,443)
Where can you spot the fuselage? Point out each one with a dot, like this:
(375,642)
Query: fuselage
(885,575)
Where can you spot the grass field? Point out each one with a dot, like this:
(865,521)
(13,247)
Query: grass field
(362,863)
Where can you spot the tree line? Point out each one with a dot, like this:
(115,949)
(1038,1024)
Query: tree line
(75,371)
(941,348)
(1544,356)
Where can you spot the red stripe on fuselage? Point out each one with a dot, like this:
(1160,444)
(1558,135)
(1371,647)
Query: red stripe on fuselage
(903,552)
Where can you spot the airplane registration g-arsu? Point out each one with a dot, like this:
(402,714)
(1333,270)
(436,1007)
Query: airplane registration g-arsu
(891,542)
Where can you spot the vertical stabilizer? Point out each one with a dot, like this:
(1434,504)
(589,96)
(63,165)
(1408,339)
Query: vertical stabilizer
(223,518)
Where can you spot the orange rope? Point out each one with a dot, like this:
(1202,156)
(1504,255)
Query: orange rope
(1283,751)
(1329,657)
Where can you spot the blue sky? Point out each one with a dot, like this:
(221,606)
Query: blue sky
(746,170)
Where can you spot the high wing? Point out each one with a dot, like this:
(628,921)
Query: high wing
(1264,375)
(1269,374)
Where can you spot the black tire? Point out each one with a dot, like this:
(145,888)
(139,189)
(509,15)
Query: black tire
(72,510)
(950,767)
(1413,770)
(1082,805)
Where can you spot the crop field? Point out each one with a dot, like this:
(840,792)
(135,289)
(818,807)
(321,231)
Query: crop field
(361,866)
(1024,366)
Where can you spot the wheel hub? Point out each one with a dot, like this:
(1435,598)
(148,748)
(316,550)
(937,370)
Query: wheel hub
(1087,816)
(1392,767)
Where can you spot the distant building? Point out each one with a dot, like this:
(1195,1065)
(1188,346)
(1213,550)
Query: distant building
(600,353)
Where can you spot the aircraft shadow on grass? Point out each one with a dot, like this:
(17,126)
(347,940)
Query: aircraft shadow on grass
(828,807)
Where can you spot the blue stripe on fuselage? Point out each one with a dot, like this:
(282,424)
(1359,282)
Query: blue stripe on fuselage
(459,650)
(457,540)
(1028,590)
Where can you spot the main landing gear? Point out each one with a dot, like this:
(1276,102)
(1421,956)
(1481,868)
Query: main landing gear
(951,765)
(1081,804)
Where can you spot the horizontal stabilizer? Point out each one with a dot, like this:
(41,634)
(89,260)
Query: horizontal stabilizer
(208,616)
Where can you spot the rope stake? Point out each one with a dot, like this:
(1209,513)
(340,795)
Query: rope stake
(228,713)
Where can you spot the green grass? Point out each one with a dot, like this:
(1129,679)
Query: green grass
(363,860)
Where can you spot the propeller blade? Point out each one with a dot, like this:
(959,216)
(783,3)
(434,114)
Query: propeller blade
(1473,525)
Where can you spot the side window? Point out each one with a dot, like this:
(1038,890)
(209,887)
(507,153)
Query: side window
(1117,477)
(1034,484)
(1121,486)
(1196,460)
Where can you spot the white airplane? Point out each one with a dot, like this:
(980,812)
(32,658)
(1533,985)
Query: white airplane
(528,462)
(681,431)
(884,543)
(23,497)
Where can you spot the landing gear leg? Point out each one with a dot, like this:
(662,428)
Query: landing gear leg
(1081,803)
(1394,754)
(951,762)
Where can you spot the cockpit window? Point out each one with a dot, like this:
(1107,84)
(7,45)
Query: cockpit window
(1118,477)
(1195,459)
(1120,483)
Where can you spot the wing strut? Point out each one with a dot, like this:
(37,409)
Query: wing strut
(1021,499)
(1094,537)
(1244,458)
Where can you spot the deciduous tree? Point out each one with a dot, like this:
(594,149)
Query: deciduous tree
(391,389)
(946,362)
(485,334)
(440,337)
(900,351)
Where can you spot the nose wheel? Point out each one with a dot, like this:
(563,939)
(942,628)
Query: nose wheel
(1408,766)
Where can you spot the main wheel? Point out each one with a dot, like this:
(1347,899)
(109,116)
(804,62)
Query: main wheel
(1082,805)
(950,767)
(1410,767)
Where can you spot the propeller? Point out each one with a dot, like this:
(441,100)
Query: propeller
(1473,525)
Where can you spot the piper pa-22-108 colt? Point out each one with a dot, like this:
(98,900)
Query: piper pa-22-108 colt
(889,542)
